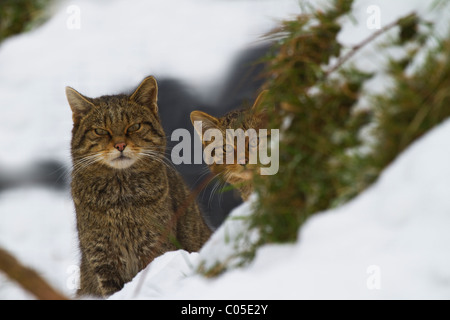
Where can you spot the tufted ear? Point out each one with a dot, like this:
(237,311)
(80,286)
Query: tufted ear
(147,94)
(79,104)
(208,122)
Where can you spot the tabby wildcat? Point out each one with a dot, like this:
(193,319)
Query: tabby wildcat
(240,172)
(127,199)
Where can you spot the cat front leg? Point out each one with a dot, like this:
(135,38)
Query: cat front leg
(102,272)
(108,277)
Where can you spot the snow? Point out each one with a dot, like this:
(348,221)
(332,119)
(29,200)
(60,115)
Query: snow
(391,242)
(116,46)
(38,227)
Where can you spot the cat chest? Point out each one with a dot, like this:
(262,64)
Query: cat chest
(105,194)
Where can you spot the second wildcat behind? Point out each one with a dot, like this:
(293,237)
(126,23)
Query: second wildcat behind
(240,172)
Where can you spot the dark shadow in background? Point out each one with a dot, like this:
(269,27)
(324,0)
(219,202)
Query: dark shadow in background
(50,174)
(176,102)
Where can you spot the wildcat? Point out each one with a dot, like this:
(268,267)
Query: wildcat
(127,199)
(239,173)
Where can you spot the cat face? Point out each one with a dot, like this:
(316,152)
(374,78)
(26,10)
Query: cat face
(240,169)
(116,131)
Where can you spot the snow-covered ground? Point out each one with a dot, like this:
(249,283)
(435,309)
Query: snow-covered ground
(390,242)
(38,227)
(101,47)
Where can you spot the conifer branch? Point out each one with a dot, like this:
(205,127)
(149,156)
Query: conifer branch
(357,47)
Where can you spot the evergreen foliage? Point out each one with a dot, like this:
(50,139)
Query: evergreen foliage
(17,16)
(313,92)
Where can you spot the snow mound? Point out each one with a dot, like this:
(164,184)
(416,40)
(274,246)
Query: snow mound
(38,227)
(391,242)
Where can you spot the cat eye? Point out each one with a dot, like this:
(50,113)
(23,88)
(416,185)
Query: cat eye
(134,128)
(101,132)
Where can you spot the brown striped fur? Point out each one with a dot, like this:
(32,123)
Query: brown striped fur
(124,191)
(238,175)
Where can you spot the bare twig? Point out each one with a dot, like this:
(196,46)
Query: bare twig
(357,47)
(28,278)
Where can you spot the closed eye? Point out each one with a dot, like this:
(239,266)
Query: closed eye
(134,128)
(101,132)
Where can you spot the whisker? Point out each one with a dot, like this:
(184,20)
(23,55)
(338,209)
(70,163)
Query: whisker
(158,157)
(63,173)
(155,153)
(222,187)
(203,174)
(214,189)
(161,151)
(82,162)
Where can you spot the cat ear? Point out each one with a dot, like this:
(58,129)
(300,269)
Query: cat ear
(208,121)
(259,100)
(79,104)
(147,94)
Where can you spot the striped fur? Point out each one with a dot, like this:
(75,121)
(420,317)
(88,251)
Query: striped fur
(126,201)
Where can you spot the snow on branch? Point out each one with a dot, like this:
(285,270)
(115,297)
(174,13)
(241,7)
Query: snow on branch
(357,47)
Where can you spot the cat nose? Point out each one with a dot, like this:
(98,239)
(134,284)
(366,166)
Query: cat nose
(120,146)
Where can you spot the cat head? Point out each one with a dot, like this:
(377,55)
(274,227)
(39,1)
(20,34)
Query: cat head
(116,131)
(240,170)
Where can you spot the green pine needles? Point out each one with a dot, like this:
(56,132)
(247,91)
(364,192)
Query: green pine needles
(315,113)
(17,16)
(313,94)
